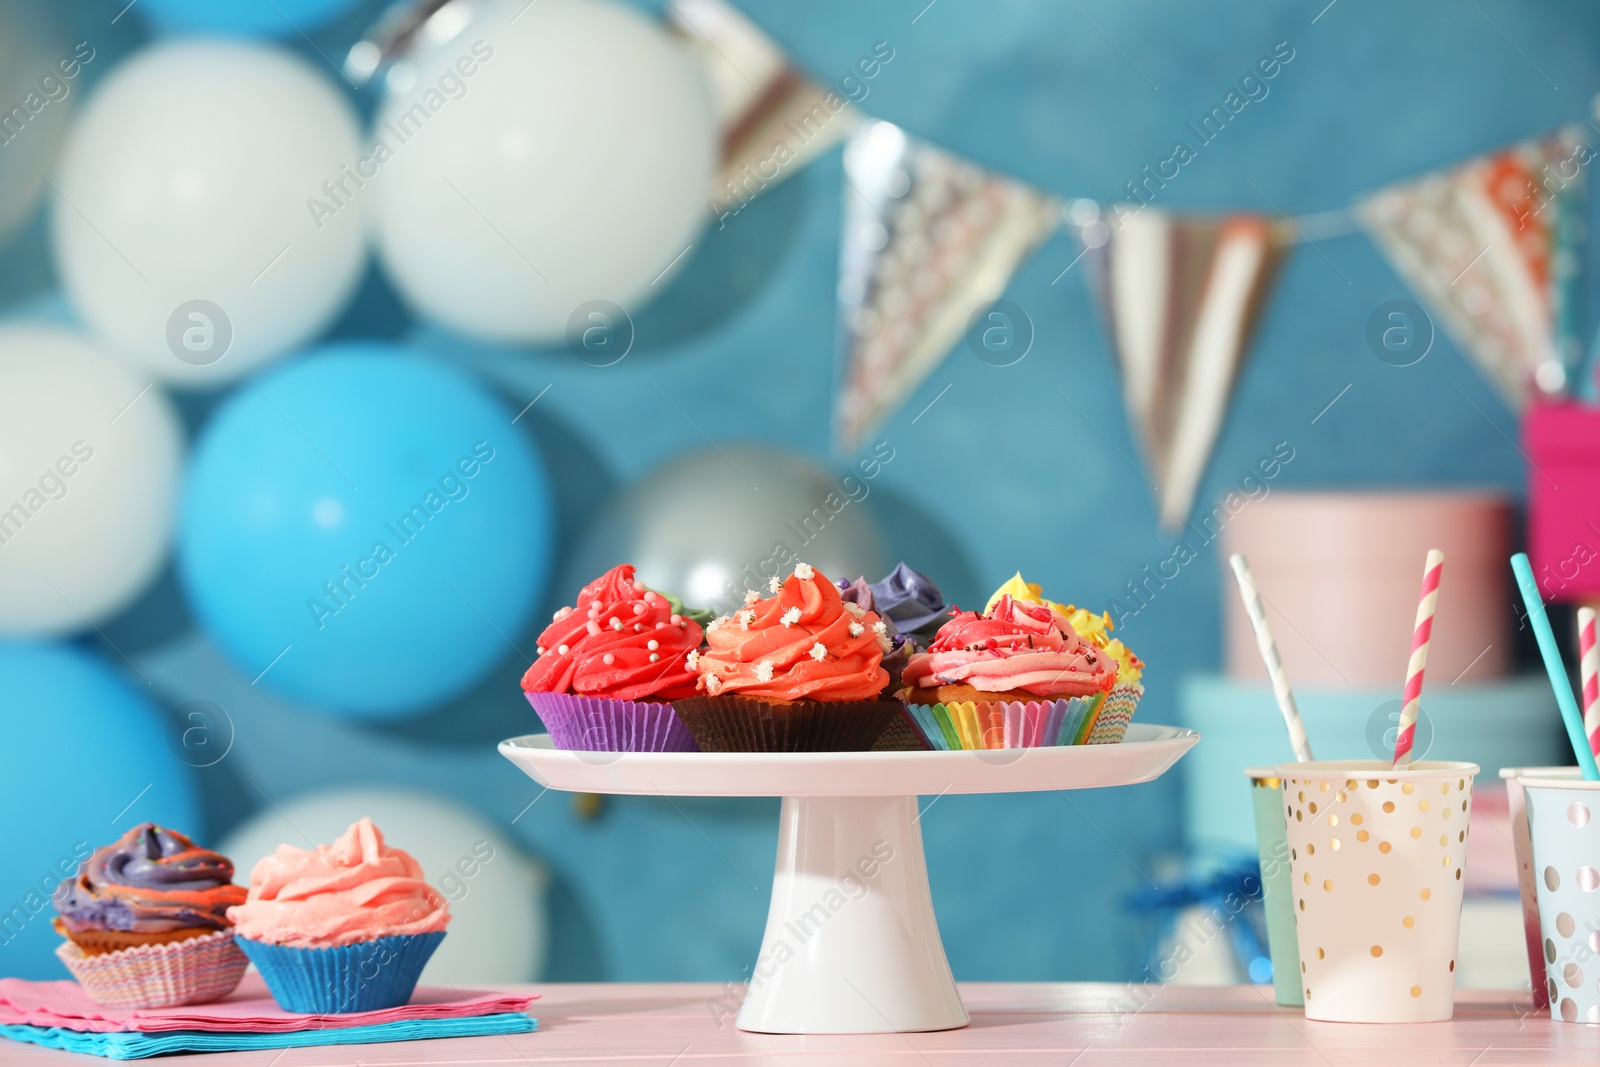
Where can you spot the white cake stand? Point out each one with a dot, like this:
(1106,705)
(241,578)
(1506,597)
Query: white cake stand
(852,946)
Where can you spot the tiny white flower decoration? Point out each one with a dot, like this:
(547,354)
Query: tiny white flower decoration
(693,661)
(790,617)
(764,671)
(746,617)
(880,628)
(804,572)
(774,583)
(714,624)
(856,610)
(819,652)
(856,629)
(750,597)
(713,684)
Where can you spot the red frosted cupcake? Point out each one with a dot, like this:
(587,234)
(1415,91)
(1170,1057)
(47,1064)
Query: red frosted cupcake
(798,671)
(610,666)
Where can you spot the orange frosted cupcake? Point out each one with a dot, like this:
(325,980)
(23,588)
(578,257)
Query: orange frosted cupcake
(798,671)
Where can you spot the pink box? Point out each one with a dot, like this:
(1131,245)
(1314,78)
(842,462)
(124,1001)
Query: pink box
(1339,573)
(1563,448)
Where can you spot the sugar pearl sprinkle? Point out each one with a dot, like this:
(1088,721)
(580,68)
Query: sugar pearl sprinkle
(561,650)
(608,659)
(638,587)
(563,613)
(804,572)
(539,650)
(819,652)
(655,656)
(595,605)
(594,627)
(652,645)
(616,623)
(856,629)
(764,671)
(640,609)
(790,617)
(774,583)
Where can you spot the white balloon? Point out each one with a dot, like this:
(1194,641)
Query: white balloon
(548,156)
(37,95)
(89,464)
(498,927)
(186,231)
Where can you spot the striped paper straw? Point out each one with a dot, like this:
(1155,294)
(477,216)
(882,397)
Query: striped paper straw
(1589,673)
(1411,701)
(1560,682)
(1269,655)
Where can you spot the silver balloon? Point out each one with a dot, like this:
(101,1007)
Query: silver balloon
(41,78)
(712,524)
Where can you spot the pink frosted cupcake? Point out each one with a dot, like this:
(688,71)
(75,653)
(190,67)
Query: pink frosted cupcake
(340,928)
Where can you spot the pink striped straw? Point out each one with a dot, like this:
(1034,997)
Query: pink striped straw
(1589,674)
(1420,635)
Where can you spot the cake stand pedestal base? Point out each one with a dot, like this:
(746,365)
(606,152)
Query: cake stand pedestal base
(852,946)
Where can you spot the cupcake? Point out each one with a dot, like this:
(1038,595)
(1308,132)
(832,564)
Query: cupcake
(146,922)
(342,927)
(908,603)
(798,671)
(1117,711)
(610,667)
(1018,675)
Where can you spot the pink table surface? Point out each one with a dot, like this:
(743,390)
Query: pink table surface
(1076,1024)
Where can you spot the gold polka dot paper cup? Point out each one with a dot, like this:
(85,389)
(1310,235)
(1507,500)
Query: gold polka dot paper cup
(1564,828)
(1376,858)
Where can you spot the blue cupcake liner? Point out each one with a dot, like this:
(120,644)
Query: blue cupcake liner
(366,976)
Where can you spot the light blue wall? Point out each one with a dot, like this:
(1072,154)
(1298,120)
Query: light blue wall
(1075,97)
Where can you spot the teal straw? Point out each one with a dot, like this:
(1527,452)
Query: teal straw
(1552,663)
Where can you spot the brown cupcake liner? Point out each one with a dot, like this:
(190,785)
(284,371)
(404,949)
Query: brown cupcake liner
(734,723)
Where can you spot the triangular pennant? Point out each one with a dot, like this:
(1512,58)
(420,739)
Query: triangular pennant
(1492,246)
(928,240)
(1180,296)
(774,119)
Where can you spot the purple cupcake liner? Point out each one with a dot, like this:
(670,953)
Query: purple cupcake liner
(600,724)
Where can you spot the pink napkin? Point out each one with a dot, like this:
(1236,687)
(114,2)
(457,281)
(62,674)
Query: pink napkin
(249,1009)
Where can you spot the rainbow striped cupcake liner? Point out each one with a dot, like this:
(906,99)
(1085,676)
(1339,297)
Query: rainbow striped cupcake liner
(1101,719)
(366,976)
(196,970)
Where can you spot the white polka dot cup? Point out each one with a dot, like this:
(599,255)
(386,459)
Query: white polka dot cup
(1520,842)
(1376,858)
(1564,826)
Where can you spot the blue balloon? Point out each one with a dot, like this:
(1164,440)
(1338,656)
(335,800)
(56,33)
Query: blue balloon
(244,18)
(364,530)
(85,758)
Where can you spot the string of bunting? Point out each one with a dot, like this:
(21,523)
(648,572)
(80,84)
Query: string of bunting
(1491,245)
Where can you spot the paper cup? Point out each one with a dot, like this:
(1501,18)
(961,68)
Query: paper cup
(1277,890)
(1375,857)
(1564,825)
(1525,875)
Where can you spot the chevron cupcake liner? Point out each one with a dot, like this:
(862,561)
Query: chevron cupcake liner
(197,970)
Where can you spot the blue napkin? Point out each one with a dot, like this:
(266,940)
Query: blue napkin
(128,1045)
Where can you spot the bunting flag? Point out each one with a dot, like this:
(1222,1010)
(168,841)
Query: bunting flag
(1180,296)
(774,119)
(928,239)
(1493,247)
